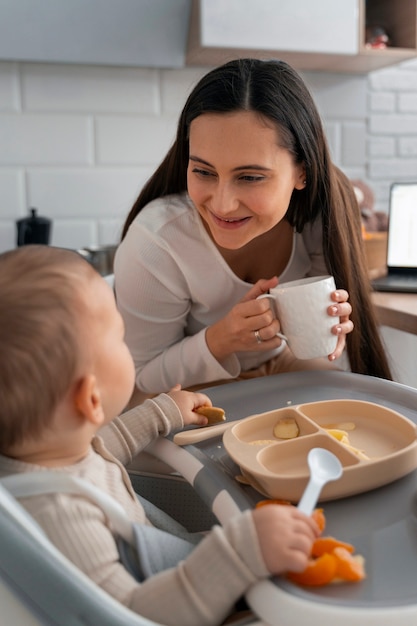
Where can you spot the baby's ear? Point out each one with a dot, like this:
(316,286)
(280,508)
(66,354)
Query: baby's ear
(87,400)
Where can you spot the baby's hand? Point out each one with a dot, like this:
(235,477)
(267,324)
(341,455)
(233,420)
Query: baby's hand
(187,402)
(285,536)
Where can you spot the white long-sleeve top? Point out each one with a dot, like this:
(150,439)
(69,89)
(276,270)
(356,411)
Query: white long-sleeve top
(203,588)
(172,283)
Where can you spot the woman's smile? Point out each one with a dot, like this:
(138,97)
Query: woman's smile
(229,222)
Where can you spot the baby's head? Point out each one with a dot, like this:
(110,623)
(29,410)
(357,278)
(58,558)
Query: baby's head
(59,328)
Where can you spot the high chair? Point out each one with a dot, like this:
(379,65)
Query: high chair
(38,582)
(40,586)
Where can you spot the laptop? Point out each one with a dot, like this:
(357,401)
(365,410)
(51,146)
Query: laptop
(402,241)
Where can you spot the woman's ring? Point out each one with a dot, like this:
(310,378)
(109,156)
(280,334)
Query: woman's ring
(258,336)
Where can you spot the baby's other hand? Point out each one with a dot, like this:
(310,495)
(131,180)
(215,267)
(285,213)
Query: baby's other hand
(285,536)
(187,402)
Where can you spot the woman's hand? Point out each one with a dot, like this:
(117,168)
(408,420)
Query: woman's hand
(341,309)
(249,326)
(187,402)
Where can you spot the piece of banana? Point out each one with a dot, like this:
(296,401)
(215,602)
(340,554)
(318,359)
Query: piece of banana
(213,413)
(343,437)
(286,428)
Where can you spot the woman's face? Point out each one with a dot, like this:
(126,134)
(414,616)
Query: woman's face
(238,177)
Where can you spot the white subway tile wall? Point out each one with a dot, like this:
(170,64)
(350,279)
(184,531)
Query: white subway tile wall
(392,129)
(78,142)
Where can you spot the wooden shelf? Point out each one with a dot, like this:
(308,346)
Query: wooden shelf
(361,63)
(399,19)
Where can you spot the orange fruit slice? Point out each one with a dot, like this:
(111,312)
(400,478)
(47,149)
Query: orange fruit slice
(328,544)
(318,572)
(319,518)
(272,501)
(317,515)
(349,567)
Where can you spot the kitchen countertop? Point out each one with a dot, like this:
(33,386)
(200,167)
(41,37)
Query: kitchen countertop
(397,310)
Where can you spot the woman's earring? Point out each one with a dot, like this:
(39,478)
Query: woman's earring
(304,182)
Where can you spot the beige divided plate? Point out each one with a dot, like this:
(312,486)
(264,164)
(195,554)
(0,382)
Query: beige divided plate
(278,468)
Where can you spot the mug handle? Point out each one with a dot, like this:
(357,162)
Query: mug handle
(274,309)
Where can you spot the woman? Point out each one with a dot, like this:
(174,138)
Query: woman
(246,197)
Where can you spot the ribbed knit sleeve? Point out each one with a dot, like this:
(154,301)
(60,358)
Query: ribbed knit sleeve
(204,588)
(130,433)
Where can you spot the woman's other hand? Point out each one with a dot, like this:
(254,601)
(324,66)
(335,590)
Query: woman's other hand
(341,309)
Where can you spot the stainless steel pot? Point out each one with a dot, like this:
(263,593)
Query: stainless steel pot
(100,257)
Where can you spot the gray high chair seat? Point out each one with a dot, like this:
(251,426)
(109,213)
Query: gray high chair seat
(40,586)
(41,583)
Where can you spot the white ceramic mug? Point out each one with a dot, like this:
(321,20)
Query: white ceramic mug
(301,307)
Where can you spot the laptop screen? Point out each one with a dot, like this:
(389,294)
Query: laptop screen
(402,237)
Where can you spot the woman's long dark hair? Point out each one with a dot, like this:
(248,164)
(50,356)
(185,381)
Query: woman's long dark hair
(276,92)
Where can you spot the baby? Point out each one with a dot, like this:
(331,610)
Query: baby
(65,375)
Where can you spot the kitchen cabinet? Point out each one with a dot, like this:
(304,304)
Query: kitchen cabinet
(325,35)
(138,33)
(322,35)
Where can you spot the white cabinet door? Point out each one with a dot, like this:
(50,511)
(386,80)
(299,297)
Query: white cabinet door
(319,26)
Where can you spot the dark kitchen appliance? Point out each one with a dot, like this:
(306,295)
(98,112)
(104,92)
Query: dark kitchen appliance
(33,229)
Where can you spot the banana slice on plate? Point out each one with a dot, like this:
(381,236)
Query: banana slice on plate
(286,428)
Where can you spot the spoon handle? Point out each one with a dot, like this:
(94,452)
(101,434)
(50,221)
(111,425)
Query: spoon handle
(195,435)
(310,496)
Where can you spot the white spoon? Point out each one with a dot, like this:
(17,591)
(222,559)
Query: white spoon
(324,467)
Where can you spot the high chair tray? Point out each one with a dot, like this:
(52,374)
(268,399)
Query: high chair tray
(380,522)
